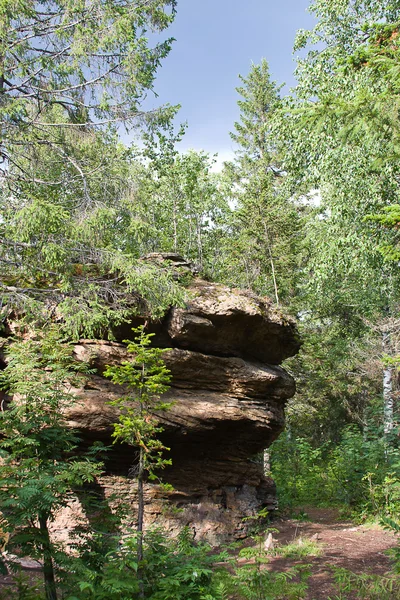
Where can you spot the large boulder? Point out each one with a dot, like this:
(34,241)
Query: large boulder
(228,396)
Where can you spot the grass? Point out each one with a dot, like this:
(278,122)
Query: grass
(300,548)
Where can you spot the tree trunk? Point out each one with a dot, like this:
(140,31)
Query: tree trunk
(174,220)
(266,462)
(48,568)
(271,260)
(140,523)
(140,503)
(388,402)
(199,244)
(273,274)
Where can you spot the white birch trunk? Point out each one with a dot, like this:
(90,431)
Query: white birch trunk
(266,462)
(388,403)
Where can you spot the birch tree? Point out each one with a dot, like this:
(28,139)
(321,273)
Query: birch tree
(340,139)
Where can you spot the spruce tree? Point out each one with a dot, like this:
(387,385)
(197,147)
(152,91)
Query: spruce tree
(264,222)
(40,468)
(70,74)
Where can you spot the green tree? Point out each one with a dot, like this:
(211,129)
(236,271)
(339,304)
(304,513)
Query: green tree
(146,379)
(70,74)
(263,222)
(259,99)
(179,199)
(82,259)
(91,62)
(39,471)
(338,149)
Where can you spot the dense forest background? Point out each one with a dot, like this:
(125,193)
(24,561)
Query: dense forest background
(307,213)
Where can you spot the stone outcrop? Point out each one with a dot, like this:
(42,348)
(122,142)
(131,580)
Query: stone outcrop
(228,393)
(224,322)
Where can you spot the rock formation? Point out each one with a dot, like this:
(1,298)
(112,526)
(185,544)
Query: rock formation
(228,396)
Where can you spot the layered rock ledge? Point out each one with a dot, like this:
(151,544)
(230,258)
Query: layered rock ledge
(228,394)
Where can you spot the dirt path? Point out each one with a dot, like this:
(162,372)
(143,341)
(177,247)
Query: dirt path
(357,548)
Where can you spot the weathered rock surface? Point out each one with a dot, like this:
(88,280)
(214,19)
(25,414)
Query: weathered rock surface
(228,395)
(227,322)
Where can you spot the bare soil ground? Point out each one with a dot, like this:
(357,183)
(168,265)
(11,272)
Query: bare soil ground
(358,548)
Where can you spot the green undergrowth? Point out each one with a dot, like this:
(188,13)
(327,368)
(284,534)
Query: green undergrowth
(299,548)
(181,569)
(172,569)
(364,586)
(360,475)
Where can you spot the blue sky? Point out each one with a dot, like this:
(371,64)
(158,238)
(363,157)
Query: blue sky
(215,41)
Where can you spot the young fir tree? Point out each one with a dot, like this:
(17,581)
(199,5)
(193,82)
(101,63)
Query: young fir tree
(146,379)
(38,469)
